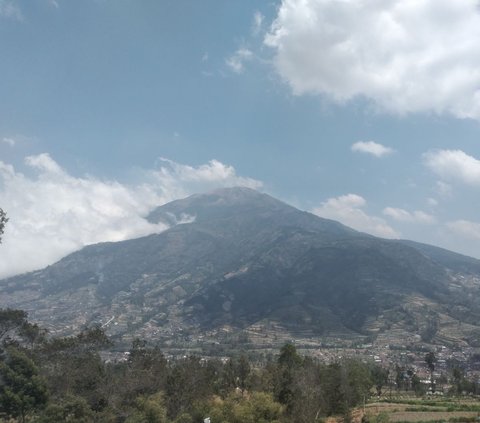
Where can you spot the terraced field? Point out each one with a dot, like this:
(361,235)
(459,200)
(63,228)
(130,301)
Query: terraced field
(424,410)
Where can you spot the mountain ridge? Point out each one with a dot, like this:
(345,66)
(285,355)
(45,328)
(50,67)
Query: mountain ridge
(238,260)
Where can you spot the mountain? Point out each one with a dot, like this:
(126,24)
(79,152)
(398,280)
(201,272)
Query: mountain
(235,261)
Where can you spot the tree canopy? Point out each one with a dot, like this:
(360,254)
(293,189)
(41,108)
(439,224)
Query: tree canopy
(3,221)
(22,389)
(65,379)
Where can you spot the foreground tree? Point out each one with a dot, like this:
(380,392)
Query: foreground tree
(150,409)
(11,323)
(190,380)
(75,367)
(243,370)
(430,359)
(22,390)
(3,221)
(288,365)
(379,378)
(256,407)
(72,409)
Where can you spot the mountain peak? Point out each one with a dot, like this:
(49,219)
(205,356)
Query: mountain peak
(217,203)
(235,194)
(234,191)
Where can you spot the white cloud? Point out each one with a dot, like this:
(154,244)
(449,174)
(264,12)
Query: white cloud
(53,213)
(9,9)
(348,209)
(404,55)
(432,202)
(258,19)
(180,180)
(454,165)
(45,164)
(402,215)
(465,228)
(10,141)
(236,62)
(373,148)
(443,189)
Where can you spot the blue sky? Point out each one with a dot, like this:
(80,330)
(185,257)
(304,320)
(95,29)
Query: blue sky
(364,112)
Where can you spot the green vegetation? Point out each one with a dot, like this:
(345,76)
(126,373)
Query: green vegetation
(423,410)
(22,390)
(3,222)
(53,380)
(65,380)
(430,359)
(452,420)
(433,405)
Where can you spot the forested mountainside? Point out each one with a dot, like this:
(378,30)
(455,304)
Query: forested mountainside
(237,261)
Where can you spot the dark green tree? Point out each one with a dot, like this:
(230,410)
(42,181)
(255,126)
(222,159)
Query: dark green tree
(11,322)
(334,384)
(75,366)
(3,221)
(22,390)
(399,377)
(288,363)
(458,377)
(146,371)
(430,359)
(149,409)
(228,377)
(379,378)
(189,381)
(346,384)
(289,358)
(243,371)
(417,385)
(72,410)
(32,334)
(358,381)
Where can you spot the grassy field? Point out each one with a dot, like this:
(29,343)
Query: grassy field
(423,410)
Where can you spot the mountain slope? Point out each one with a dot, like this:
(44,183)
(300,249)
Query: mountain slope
(235,259)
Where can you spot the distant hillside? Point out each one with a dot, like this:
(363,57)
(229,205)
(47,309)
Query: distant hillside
(237,260)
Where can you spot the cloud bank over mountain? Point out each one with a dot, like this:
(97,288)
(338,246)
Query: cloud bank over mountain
(53,213)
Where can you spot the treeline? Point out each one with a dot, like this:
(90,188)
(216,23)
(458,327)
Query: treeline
(53,380)
(45,380)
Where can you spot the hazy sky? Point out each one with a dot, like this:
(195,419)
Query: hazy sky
(367,112)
